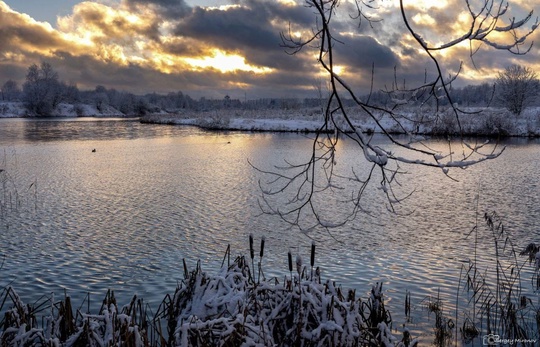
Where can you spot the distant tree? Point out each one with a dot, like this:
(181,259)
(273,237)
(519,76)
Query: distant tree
(42,89)
(516,86)
(100,98)
(141,106)
(10,91)
(71,93)
(473,95)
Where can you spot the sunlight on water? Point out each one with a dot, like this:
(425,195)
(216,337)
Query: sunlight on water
(124,216)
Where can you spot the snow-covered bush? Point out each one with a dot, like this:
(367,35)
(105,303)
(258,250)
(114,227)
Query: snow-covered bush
(214,120)
(497,123)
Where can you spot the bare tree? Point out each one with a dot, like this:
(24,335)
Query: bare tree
(10,91)
(516,86)
(42,90)
(300,192)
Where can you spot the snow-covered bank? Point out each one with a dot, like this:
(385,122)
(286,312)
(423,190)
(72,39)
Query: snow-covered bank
(488,122)
(17,109)
(477,122)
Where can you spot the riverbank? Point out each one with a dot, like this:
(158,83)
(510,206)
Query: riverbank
(17,109)
(479,122)
(417,120)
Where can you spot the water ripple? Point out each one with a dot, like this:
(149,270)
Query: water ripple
(125,216)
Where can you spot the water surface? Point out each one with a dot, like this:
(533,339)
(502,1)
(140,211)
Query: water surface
(125,216)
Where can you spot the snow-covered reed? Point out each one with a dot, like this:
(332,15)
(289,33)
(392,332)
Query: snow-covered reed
(231,308)
(239,306)
(61,325)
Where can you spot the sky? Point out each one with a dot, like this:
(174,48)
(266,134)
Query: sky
(214,48)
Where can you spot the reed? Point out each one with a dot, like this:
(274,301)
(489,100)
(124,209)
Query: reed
(235,307)
(497,305)
(14,197)
(232,308)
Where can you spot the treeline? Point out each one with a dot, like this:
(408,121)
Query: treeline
(43,91)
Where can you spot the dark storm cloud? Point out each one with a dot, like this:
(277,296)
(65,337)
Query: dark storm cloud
(253,29)
(234,29)
(142,46)
(183,48)
(361,52)
(88,73)
(11,72)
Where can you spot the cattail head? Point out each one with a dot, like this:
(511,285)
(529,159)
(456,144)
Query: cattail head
(251,251)
(312,253)
(262,247)
(299,264)
(290,260)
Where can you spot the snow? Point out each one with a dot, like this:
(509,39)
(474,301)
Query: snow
(12,110)
(270,313)
(228,308)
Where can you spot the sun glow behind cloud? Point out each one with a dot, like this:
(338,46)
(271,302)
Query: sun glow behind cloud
(224,62)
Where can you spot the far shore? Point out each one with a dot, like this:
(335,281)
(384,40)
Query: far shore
(487,122)
(413,120)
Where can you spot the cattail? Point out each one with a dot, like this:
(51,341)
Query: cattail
(312,253)
(186,272)
(251,252)
(262,247)
(290,260)
(298,264)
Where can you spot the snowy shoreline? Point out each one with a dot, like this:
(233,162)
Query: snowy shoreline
(489,122)
(415,120)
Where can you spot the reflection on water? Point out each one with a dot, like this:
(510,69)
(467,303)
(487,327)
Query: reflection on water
(62,129)
(125,216)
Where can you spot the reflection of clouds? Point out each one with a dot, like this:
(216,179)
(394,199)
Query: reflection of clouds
(236,46)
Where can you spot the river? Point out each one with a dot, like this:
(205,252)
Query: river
(124,216)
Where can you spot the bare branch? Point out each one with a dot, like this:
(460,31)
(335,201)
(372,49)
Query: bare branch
(298,193)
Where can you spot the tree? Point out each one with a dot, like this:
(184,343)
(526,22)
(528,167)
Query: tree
(308,187)
(100,98)
(10,91)
(42,89)
(516,86)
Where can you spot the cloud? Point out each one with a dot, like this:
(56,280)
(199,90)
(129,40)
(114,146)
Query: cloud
(252,25)
(99,22)
(166,45)
(166,8)
(361,52)
(20,33)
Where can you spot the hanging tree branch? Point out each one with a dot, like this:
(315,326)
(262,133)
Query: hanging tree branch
(299,192)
